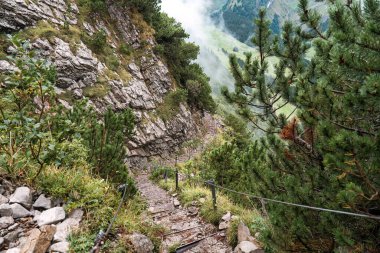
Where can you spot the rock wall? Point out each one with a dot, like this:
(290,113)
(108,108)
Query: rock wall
(78,68)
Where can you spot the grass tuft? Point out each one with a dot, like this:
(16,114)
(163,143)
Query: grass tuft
(97,91)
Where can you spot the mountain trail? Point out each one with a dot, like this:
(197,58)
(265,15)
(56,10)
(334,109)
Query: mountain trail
(184,225)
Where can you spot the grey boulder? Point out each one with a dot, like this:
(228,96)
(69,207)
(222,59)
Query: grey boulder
(61,247)
(51,216)
(19,211)
(247,247)
(3,199)
(5,210)
(14,250)
(243,232)
(42,202)
(140,243)
(6,222)
(22,196)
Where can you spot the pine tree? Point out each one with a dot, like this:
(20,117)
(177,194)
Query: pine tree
(325,151)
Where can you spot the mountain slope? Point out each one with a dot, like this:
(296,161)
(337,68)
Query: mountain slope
(108,59)
(237,15)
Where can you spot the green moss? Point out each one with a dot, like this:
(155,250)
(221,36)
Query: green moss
(42,29)
(68,96)
(97,91)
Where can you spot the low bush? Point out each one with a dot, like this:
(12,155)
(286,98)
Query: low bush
(98,41)
(171,105)
(125,49)
(159,173)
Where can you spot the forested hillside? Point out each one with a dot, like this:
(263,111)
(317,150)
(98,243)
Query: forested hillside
(237,15)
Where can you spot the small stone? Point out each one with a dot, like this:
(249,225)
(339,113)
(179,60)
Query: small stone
(243,232)
(1,241)
(5,210)
(192,210)
(223,225)
(140,243)
(22,196)
(57,202)
(13,227)
(62,247)
(76,214)
(36,214)
(42,202)
(6,222)
(12,236)
(246,247)
(176,203)
(14,250)
(51,216)
(227,217)
(65,228)
(202,200)
(3,199)
(19,211)
(174,195)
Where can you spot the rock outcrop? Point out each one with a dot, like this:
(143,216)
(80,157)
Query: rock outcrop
(18,14)
(143,84)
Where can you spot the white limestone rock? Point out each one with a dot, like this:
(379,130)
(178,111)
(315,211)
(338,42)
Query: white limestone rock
(18,211)
(51,216)
(42,202)
(23,196)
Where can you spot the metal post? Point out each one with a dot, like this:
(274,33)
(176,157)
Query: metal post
(176,173)
(213,192)
(176,179)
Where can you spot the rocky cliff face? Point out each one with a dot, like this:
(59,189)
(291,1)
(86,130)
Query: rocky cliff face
(139,81)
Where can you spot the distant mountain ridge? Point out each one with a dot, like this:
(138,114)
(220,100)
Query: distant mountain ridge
(237,15)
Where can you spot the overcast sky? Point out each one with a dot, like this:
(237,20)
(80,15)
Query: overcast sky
(192,14)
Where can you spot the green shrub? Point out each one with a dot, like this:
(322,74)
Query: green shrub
(112,62)
(171,105)
(93,6)
(125,49)
(159,173)
(98,41)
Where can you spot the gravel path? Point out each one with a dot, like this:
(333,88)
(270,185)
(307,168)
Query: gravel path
(165,211)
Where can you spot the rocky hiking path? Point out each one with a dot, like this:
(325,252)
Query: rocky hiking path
(184,225)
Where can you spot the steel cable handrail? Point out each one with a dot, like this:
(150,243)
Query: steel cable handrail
(287,203)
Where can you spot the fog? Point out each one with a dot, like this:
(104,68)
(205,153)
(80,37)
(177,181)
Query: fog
(194,17)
